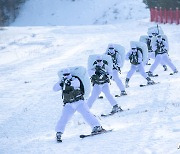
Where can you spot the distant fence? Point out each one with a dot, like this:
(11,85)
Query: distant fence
(165,16)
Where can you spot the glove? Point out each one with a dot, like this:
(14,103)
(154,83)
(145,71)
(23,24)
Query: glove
(130,57)
(61,84)
(158,47)
(119,69)
(68,83)
(97,73)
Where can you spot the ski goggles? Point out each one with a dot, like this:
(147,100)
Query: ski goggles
(111,48)
(159,36)
(66,74)
(99,60)
(154,34)
(133,48)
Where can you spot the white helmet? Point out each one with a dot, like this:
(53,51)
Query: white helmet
(99,57)
(67,73)
(111,50)
(110,46)
(133,44)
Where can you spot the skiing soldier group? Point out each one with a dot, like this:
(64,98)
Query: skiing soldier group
(157,44)
(102,68)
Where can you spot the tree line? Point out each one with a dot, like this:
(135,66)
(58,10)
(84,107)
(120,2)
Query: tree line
(164,4)
(9,10)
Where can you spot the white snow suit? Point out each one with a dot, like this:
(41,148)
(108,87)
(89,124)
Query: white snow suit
(100,74)
(160,49)
(116,69)
(73,101)
(135,57)
(151,53)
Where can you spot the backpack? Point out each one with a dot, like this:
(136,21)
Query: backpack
(120,53)
(107,61)
(164,38)
(145,39)
(81,74)
(142,47)
(156,30)
(134,58)
(81,84)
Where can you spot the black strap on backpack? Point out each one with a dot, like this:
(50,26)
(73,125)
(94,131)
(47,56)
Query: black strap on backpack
(81,84)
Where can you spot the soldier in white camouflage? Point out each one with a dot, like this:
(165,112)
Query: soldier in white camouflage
(73,99)
(100,75)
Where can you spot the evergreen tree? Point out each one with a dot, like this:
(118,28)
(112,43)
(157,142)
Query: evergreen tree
(164,4)
(9,10)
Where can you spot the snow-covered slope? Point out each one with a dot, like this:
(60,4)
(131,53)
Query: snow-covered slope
(30,58)
(29,62)
(79,12)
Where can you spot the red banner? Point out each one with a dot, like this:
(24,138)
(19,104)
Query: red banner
(165,16)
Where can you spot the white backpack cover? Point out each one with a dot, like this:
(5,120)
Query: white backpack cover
(105,58)
(164,37)
(143,38)
(155,29)
(120,51)
(143,47)
(81,72)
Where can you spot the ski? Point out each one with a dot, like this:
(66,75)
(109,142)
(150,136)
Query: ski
(154,75)
(101,97)
(112,113)
(119,95)
(106,115)
(127,112)
(98,133)
(143,85)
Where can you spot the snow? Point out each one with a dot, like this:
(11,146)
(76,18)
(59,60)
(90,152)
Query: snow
(80,12)
(32,55)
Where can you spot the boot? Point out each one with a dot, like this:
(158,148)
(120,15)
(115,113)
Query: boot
(97,129)
(58,136)
(123,93)
(116,108)
(150,74)
(126,82)
(149,81)
(175,71)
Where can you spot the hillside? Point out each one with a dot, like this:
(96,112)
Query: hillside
(80,12)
